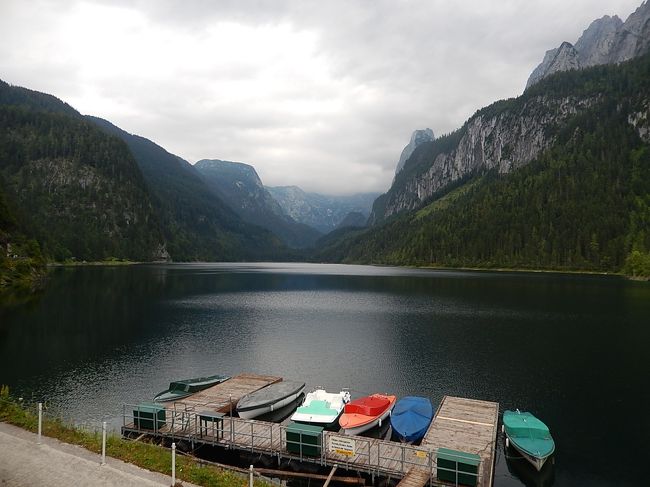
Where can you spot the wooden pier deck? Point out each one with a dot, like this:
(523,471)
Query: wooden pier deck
(466,425)
(460,424)
(218,397)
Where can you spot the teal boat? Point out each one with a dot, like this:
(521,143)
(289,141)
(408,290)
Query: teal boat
(529,436)
(186,387)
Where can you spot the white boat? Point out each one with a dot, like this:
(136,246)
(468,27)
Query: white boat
(321,408)
(269,398)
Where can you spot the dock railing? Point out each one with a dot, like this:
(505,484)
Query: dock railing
(373,456)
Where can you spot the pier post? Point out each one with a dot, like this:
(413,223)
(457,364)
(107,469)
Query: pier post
(250,477)
(104,443)
(173,464)
(40,421)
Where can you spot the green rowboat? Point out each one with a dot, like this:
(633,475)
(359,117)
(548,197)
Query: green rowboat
(186,387)
(529,436)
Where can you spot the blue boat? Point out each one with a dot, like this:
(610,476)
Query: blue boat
(411,418)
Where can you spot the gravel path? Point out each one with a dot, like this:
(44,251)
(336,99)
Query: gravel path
(24,463)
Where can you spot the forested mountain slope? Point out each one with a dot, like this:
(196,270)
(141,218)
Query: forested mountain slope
(241,188)
(73,188)
(197,224)
(583,202)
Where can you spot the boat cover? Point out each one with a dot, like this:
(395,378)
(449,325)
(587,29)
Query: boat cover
(368,406)
(269,395)
(529,433)
(411,417)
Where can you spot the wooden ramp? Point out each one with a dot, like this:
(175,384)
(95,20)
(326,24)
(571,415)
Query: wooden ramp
(469,426)
(416,477)
(218,397)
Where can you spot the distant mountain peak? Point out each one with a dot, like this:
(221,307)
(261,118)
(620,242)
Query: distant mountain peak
(239,185)
(246,172)
(607,40)
(417,138)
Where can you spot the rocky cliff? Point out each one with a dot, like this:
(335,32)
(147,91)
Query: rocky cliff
(607,40)
(417,138)
(503,136)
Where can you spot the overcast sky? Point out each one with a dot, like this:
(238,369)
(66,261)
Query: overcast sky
(321,94)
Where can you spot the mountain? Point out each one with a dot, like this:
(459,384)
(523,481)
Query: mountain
(74,189)
(417,138)
(557,178)
(241,188)
(353,219)
(322,212)
(607,40)
(197,224)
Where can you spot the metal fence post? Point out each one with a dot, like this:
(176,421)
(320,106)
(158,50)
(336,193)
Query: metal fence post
(232,425)
(40,421)
(173,464)
(104,443)
(250,477)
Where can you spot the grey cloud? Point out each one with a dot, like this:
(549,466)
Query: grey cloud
(389,68)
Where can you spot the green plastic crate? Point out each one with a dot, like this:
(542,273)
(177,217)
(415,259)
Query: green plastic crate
(305,437)
(149,416)
(452,463)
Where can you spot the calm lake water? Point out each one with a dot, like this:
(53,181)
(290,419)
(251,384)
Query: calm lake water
(571,349)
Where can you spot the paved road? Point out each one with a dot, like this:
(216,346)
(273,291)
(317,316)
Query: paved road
(24,463)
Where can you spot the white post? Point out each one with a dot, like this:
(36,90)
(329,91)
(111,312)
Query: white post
(250,477)
(104,443)
(40,421)
(173,464)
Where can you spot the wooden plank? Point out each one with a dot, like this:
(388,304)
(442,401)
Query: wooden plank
(415,477)
(469,426)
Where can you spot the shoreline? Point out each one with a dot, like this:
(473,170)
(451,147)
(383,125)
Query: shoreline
(521,270)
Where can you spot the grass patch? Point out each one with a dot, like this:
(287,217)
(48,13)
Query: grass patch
(145,455)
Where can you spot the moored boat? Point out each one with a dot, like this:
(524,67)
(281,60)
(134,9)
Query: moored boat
(186,387)
(321,408)
(269,398)
(411,418)
(365,413)
(529,436)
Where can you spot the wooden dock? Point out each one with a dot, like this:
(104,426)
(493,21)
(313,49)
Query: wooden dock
(469,426)
(465,425)
(218,397)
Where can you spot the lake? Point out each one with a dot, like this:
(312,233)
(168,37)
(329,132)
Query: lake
(570,348)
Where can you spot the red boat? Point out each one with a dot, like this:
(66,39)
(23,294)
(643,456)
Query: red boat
(365,413)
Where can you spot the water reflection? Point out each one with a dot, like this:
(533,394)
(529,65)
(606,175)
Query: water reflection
(569,348)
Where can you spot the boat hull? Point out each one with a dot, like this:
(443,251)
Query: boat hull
(186,387)
(363,428)
(167,396)
(537,462)
(321,420)
(254,413)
